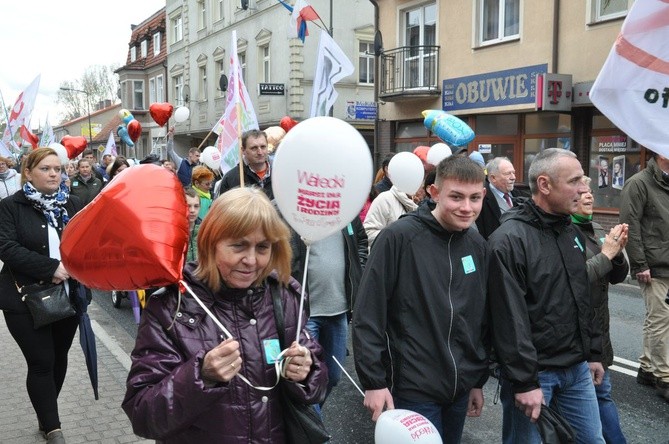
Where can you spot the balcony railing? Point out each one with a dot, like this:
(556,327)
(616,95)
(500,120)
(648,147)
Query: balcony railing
(409,71)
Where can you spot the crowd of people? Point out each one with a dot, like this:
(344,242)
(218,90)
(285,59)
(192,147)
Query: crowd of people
(521,294)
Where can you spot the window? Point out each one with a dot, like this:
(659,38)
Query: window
(156,43)
(201,14)
(366,62)
(178,82)
(144,48)
(499,20)
(133,53)
(219,12)
(177,29)
(202,93)
(420,36)
(265,75)
(220,69)
(609,9)
(160,95)
(152,90)
(138,94)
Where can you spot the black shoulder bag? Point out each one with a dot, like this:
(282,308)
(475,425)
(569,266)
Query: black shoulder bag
(47,303)
(302,423)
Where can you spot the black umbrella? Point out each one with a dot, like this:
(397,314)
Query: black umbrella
(86,336)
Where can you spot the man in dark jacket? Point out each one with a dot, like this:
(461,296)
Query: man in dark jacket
(540,306)
(335,267)
(257,168)
(419,336)
(645,207)
(498,196)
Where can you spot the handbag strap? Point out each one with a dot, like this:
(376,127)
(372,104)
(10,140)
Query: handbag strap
(278,313)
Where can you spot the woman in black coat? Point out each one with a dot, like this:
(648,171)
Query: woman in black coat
(32,223)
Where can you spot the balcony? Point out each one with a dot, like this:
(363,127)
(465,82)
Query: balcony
(409,72)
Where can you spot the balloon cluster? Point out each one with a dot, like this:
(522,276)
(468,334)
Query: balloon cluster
(130,130)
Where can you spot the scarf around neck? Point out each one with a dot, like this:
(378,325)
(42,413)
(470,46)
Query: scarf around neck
(202,193)
(51,205)
(581,218)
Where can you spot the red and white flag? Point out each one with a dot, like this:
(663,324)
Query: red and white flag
(302,13)
(21,111)
(237,99)
(632,89)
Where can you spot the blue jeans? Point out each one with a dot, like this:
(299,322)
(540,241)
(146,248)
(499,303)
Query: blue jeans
(571,392)
(608,412)
(448,419)
(331,332)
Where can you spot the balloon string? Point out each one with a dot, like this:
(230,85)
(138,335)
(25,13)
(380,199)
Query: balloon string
(304,285)
(280,364)
(349,376)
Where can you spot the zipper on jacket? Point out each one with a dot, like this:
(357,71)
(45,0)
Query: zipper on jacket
(450,325)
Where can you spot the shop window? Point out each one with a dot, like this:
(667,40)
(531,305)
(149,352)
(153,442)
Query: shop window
(411,135)
(497,124)
(614,158)
(541,123)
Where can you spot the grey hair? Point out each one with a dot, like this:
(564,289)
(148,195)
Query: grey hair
(493,166)
(546,162)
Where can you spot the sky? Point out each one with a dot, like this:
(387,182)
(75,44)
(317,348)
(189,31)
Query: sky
(59,40)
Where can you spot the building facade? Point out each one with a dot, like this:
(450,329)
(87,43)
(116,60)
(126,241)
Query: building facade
(143,81)
(278,72)
(518,72)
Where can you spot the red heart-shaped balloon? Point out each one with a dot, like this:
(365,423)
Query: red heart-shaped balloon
(134,130)
(287,123)
(132,235)
(74,145)
(161,112)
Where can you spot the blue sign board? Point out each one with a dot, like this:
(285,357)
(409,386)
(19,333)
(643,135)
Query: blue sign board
(361,110)
(500,88)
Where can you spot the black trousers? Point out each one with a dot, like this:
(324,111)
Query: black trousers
(45,350)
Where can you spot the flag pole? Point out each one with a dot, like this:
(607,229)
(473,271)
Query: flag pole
(239,141)
(205,138)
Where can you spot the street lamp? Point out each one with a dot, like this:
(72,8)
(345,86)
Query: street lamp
(88,106)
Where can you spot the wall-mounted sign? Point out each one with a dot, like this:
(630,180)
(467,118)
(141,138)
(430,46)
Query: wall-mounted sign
(361,110)
(271,89)
(556,93)
(499,88)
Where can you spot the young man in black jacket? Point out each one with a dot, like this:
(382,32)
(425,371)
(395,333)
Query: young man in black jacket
(420,317)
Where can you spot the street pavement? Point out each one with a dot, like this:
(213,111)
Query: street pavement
(644,416)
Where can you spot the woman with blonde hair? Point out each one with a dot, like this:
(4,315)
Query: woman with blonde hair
(32,222)
(188,382)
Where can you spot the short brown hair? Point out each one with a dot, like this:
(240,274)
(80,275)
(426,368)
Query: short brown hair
(235,214)
(34,158)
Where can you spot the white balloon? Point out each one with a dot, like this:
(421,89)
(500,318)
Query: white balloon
(437,153)
(405,426)
(321,176)
(181,114)
(62,152)
(211,157)
(406,172)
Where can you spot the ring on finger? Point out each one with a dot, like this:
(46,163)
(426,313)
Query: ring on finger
(232,365)
(615,238)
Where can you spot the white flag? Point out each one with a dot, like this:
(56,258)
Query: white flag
(332,66)
(226,127)
(21,111)
(48,137)
(632,89)
(111,146)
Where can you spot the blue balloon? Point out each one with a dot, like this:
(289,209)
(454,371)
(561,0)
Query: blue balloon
(122,132)
(447,127)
